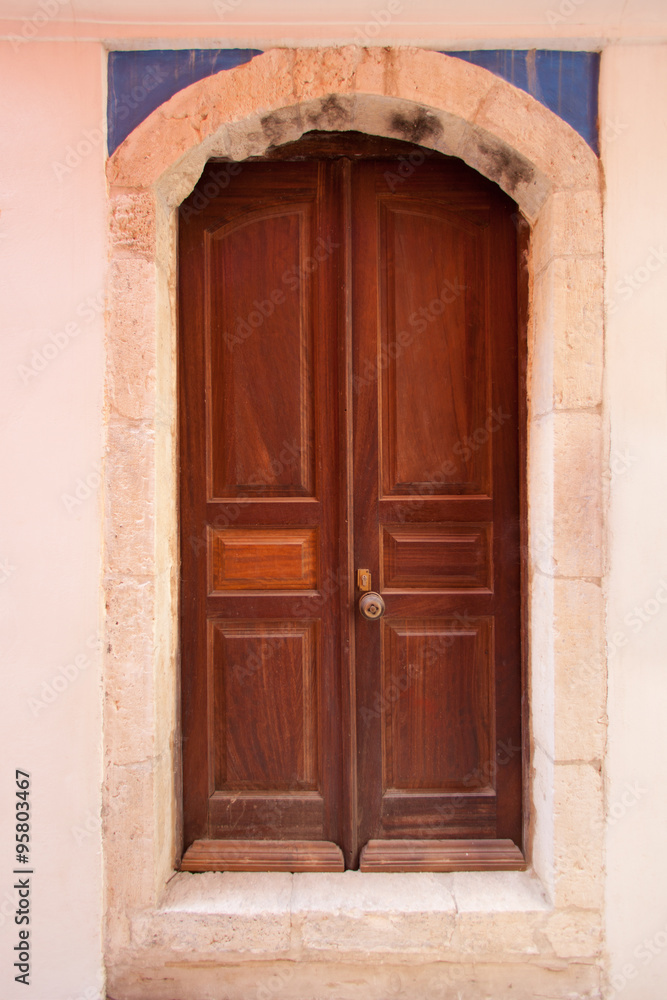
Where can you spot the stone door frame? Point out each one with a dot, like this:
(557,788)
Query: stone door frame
(538,925)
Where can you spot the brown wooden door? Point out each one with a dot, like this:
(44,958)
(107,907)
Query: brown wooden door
(349,399)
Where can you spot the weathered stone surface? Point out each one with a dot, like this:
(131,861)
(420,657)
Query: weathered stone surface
(129,709)
(542,814)
(574,933)
(578,494)
(498,892)
(579,837)
(541,693)
(524,124)
(569,225)
(290,980)
(132,223)
(508,135)
(541,444)
(131,339)
(128,836)
(355,912)
(202,915)
(568,300)
(130,540)
(580,715)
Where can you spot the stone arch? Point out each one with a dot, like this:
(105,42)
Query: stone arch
(445,104)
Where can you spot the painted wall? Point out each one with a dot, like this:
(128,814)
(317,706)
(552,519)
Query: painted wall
(52,249)
(634,129)
(52,218)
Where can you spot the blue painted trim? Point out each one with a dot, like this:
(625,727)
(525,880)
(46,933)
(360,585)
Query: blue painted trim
(565,82)
(139,82)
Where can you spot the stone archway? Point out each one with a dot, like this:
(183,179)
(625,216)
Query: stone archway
(446,104)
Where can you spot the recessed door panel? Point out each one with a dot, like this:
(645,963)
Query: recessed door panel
(446,557)
(261,348)
(262,559)
(265,671)
(438,685)
(434,353)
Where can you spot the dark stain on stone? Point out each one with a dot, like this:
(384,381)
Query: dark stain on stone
(331,112)
(276,126)
(421,125)
(506,167)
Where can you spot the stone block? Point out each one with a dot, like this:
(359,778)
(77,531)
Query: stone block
(131,339)
(132,223)
(569,225)
(359,913)
(129,662)
(578,494)
(575,933)
(556,150)
(130,477)
(569,335)
(580,683)
(579,836)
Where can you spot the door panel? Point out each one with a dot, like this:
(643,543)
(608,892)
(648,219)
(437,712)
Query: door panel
(438,682)
(261,349)
(349,398)
(433,355)
(259,531)
(436,472)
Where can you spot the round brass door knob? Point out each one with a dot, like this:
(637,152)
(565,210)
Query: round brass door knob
(371,605)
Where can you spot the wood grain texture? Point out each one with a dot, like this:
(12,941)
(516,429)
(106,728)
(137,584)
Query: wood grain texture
(260,341)
(264,672)
(446,557)
(262,856)
(441,856)
(438,688)
(262,559)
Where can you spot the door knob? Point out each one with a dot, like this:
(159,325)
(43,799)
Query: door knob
(371,605)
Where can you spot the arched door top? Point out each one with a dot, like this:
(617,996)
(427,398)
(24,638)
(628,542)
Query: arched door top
(428,98)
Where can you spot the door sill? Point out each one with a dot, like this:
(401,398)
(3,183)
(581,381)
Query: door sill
(263,856)
(441,856)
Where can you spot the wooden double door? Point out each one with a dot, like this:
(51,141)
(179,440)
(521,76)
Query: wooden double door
(349,401)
